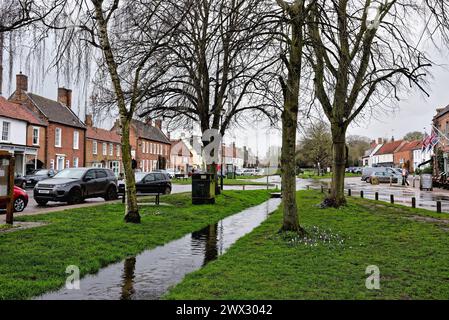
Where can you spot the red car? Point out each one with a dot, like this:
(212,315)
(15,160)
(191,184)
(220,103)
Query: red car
(20,200)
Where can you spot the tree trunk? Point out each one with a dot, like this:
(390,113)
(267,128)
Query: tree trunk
(339,157)
(132,209)
(289,128)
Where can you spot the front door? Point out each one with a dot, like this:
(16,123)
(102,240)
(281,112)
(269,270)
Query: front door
(60,162)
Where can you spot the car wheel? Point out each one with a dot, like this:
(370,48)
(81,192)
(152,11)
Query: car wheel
(42,203)
(19,204)
(75,197)
(111,194)
(167,190)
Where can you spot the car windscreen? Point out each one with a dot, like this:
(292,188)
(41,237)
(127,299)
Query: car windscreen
(71,174)
(40,173)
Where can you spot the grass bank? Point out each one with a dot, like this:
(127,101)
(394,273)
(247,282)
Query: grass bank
(226,182)
(313,175)
(409,246)
(34,261)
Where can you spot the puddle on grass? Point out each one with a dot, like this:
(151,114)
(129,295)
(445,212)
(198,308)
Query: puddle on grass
(151,274)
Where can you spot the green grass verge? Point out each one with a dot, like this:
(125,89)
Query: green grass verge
(226,182)
(410,248)
(313,175)
(34,261)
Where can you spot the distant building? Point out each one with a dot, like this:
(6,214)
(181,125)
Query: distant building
(181,158)
(23,135)
(367,159)
(384,157)
(404,155)
(103,148)
(65,133)
(150,147)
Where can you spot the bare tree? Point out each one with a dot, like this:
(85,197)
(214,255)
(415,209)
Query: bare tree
(363,54)
(222,65)
(316,145)
(296,14)
(19,14)
(132,39)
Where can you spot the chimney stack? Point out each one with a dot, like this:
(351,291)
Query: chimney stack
(21,82)
(89,120)
(159,124)
(65,97)
(380,141)
(149,121)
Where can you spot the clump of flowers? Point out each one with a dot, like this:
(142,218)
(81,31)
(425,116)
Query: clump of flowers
(314,237)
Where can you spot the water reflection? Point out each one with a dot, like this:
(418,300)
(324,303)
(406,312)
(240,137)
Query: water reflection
(151,274)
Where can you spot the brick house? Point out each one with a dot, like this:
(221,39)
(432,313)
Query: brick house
(404,155)
(65,134)
(103,148)
(441,122)
(181,159)
(384,157)
(150,147)
(23,135)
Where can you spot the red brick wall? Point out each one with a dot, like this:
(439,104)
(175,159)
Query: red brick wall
(66,146)
(99,157)
(41,155)
(406,156)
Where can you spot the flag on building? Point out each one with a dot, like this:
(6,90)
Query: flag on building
(435,139)
(426,142)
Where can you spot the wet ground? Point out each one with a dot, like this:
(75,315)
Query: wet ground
(149,275)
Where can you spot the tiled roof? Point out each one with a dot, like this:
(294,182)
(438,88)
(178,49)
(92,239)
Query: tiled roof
(149,132)
(17,111)
(389,148)
(410,146)
(102,135)
(442,112)
(56,112)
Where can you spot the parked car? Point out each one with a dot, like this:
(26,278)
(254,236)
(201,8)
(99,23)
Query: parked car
(260,172)
(20,200)
(173,173)
(38,175)
(239,172)
(368,171)
(249,172)
(383,177)
(20,182)
(76,185)
(154,182)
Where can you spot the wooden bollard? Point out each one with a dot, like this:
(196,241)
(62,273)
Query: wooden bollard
(361,194)
(376,196)
(329,191)
(438,206)
(349,192)
(308,187)
(392,199)
(413,202)
(243,187)
(322,189)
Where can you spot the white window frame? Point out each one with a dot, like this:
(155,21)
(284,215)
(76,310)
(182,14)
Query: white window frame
(111,149)
(8,133)
(58,158)
(76,162)
(95,147)
(58,134)
(36,136)
(105,149)
(143,146)
(118,150)
(52,164)
(67,163)
(76,140)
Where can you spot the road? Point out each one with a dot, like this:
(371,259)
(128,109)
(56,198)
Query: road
(33,208)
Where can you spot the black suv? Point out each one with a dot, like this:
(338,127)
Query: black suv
(75,185)
(147,183)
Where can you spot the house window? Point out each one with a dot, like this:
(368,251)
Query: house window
(95,147)
(105,149)
(58,137)
(76,162)
(35,136)
(52,164)
(118,150)
(76,140)
(111,149)
(5,130)
(67,164)
(143,146)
